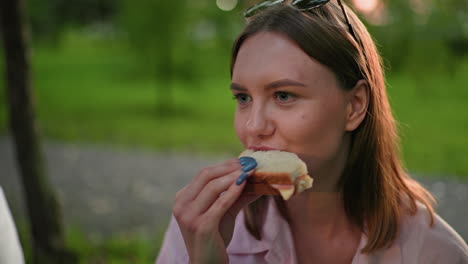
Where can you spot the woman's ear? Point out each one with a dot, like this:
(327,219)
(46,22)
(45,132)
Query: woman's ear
(358,101)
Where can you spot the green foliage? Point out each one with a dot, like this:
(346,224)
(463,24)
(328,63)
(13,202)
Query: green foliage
(117,249)
(431,110)
(86,92)
(123,248)
(96,89)
(438,28)
(152,32)
(49,18)
(171,41)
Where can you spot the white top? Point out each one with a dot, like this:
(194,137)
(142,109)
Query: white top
(10,248)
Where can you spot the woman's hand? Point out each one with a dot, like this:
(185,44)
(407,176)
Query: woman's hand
(206,210)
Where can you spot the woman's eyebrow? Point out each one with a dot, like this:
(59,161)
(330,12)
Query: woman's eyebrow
(283,82)
(272,85)
(238,87)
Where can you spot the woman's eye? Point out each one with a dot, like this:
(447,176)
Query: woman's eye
(284,97)
(242,98)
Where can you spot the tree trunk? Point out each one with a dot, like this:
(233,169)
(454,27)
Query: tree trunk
(42,206)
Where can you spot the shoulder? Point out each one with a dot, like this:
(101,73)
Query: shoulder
(423,242)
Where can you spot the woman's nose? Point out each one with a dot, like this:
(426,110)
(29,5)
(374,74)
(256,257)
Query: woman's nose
(259,124)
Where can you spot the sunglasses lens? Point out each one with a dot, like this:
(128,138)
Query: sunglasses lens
(308,4)
(261,6)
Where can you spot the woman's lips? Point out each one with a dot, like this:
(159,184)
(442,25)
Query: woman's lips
(262,148)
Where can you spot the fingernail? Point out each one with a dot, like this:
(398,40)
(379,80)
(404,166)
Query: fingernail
(247,159)
(241,178)
(249,167)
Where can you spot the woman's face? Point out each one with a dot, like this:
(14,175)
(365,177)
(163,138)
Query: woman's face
(288,101)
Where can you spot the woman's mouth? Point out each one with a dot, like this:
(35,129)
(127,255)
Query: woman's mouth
(262,148)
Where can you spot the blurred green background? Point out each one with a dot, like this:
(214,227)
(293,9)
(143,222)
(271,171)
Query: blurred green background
(155,74)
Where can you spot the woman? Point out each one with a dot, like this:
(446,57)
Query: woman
(309,81)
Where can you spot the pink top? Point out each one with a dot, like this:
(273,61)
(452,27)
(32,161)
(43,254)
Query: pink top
(416,243)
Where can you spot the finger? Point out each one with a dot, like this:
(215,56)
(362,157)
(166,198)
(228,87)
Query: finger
(241,178)
(224,202)
(245,198)
(212,191)
(208,174)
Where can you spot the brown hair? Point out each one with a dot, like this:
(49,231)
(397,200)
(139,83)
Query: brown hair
(375,187)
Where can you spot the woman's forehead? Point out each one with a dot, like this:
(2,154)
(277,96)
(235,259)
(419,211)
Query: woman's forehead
(273,54)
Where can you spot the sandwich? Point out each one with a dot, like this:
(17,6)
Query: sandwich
(277,173)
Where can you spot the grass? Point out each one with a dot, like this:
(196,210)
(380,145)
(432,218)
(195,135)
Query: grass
(432,113)
(89,90)
(117,249)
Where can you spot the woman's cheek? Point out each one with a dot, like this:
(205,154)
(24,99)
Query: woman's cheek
(239,127)
(314,135)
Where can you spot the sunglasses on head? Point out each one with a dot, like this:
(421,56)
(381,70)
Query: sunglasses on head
(302,5)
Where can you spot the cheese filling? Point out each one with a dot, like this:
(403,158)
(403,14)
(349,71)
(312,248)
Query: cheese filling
(285,190)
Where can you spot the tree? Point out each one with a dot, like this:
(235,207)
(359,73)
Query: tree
(413,29)
(152,28)
(43,209)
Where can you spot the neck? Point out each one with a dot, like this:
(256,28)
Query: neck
(320,228)
(321,213)
(321,208)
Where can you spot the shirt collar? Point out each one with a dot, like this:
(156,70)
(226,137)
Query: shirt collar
(278,244)
(276,240)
